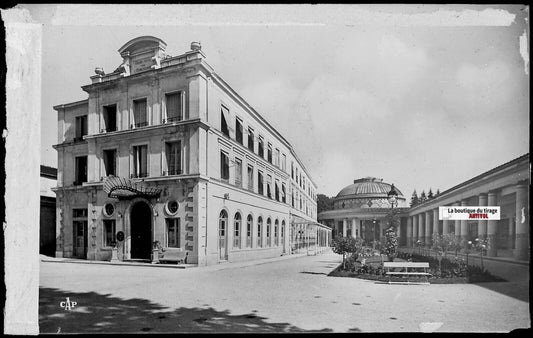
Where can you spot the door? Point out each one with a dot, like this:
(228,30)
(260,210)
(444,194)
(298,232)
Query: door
(80,239)
(141,231)
(223,236)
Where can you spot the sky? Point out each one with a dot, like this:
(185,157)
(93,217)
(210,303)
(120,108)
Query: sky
(420,96)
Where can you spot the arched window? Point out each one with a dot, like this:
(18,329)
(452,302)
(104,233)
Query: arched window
(282,232)
(222,224)
(237,231)
(269,237)
(259,232)
(249,225)
(276,233)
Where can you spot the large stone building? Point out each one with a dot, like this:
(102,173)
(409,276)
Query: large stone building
(164,150)
(364,205)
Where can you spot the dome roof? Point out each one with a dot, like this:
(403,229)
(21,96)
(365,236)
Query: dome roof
(368,186)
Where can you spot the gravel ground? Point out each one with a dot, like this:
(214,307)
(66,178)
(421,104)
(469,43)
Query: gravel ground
(289,295)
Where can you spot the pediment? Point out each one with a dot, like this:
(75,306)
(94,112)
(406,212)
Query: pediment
(142,44)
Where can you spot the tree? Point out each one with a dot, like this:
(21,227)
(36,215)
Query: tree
(430,194)
(344,246)
(414,199)
(390,246)
(391,243)
(451,242)
(323,203)
(437,193)
(423,197)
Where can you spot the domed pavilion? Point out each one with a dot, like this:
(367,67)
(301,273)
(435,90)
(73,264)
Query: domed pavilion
(360,209)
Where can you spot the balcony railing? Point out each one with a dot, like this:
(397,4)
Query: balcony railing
(172,172)
(139,175)
(139,125)
(173,119)
(107,130)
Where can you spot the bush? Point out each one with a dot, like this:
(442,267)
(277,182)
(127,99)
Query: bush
(344,246)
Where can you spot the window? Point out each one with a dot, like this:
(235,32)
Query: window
(259,232)
(276,190)
(250,178)
(173,157)
(284,162)
(110,162)
(173,233)
(276,227)
(140,161)
(238,172)
(110,118)
(174,107)
(261,148)
(109,232)
(283,193)
(76,213)
(222,222)
(282,232)
(237,231)
(81,170)
(250,139)
(81,127)
(269,189)
(224,114)
(249,225)
(140,116)
(296,175)
(224,166)
(260,183)
(276,158)
(109,209)
(269,153)
(238,131)
(292,170)
(171,207)
(269,239)
(292,198)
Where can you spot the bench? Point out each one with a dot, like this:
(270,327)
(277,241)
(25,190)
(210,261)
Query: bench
(173,255)
(407,269)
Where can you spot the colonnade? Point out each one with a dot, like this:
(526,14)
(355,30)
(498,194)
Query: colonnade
(422,225)
(310,238)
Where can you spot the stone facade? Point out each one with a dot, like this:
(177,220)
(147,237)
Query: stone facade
(170,124)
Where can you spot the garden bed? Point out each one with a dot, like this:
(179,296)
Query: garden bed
(451,271)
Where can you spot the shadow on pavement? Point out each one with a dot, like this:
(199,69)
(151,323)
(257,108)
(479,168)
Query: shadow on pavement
(518,290)
(102,313)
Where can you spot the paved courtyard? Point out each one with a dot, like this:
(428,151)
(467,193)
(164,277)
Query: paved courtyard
(289,295)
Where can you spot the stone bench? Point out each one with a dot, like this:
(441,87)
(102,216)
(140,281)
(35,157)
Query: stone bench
(173,255)
(407,269)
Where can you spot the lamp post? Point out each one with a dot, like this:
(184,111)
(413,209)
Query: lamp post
(391,238)
(393,200)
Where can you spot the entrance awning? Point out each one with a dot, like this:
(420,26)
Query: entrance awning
(120,187)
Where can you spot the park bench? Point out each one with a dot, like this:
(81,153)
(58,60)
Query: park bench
(407,269)
(173,255)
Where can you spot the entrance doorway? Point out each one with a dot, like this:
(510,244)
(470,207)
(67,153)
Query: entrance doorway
(141,231)
(222,235)
(80,239)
